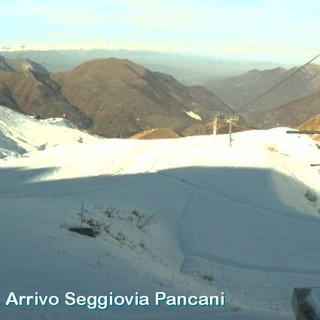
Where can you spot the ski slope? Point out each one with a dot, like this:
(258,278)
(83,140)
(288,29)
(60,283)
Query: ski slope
(187,216)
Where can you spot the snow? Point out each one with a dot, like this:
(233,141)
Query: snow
(193,115)
(20,133)
(186,216)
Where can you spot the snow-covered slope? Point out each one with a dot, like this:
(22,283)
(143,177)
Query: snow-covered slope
(189,216)
(20,133)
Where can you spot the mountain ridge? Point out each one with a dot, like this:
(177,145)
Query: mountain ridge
(275,97)
(117,98)
(109,97)
(240,91)
(291,114)
(187,69)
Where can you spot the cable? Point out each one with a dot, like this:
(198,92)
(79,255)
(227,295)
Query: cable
(277,84)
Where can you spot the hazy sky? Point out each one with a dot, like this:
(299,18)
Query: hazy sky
(276,30)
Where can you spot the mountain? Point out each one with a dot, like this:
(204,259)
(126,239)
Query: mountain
(241,92)
(24,65)
(123,98)
(189,217)
(291,114)
(28,87)
(312,124)
(108,97)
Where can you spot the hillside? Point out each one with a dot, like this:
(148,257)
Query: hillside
(28,87)
(207,128)
(123,98)
(187,216)
(156,134)
(239,92)
(108,97)
(292,114)
(312,124)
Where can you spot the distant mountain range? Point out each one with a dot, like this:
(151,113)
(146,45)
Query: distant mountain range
(186,68)
(108,97)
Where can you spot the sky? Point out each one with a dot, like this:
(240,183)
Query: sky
(271,30)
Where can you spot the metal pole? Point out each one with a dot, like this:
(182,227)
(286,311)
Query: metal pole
(304,131)
(231,119)
(230,133)
(215,125)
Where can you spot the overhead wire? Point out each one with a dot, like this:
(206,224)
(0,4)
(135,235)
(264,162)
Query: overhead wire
(278,83)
